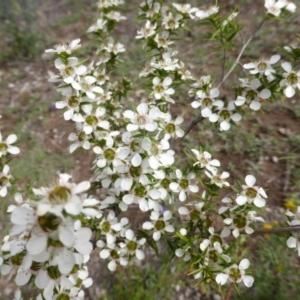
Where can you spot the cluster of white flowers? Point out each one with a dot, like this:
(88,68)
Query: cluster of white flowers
(50,241)
(294,220)
(6,150)
(47,242)
(253,92)
(275,7)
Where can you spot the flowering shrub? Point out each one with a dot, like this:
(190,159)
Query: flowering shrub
(55,228)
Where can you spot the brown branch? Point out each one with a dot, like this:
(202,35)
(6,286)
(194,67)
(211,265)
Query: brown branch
(191,126)
(230,291)
(279,230)
(241,53)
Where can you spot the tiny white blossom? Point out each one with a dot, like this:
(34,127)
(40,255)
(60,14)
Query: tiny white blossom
(291,80)
(236,273)
(66,47)
(263,66)
(6,146)
(252,193)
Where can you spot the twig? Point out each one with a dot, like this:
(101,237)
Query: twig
(230,291)
(191,126)
(224,77)
(280,230)
(287,176)
(224,63)
(241,53)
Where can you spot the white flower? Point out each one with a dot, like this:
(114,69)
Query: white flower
(115,15)
(292,47)
(157,154)
(184,8)
(132,245)
(69,71)
(72,102)
(162,40)
(92,121)
(160,224)
(291,80)
(147,31)
(205,161)
(171,22)
(112,252)
(5,146)
(238,222)
(229,18)
(113,47)
(66,47)
(80,139)
(63,196)
(206,101)
(5,178)
(274,7)
(184,186)
(86,85)
(98,26)
(143,118)
(108,155)
(218,179)
(224,115)
(236,273)
(202,14)
(210,243)
(252,96)
(294,242)
(263,66)
(172,128)
(195,214)
(167,63)
(162,89)
(252,193)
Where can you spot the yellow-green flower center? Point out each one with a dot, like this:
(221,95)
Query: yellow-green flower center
(195,215)
(109,154)
(225,115)
(160,225)
(213,255)
(3,147)
(18,258)
(63,297)
(165,183)
(140,191)
(135,171)
(49,222)
(234,274)
(216,238)
(3,181)
(170,128)
(73,101)
(262,66)
(114,254)
(251,95)
(183,183)
(206,102)
(292,78)
(105,227)
(131,246)
(91,120)
(59,195)
(240,221)
(251,193)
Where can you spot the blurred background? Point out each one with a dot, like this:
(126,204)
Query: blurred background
(266,144)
